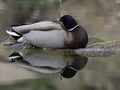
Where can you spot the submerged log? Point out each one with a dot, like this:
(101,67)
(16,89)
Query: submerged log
(101,49)
(106,45)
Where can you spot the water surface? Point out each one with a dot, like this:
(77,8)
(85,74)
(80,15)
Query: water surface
(43,69)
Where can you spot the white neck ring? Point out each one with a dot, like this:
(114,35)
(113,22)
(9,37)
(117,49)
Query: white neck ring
(73,28)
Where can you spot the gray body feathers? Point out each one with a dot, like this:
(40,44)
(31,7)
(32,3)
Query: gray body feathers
(39,26)
(49,39)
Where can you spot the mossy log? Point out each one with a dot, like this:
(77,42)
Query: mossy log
(94,48)
(101,49)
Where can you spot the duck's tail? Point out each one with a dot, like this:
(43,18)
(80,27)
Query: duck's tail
(14,34)
(15,56)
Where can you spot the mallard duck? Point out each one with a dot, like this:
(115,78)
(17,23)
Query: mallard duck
(67,34)
(53,61)
(39,61)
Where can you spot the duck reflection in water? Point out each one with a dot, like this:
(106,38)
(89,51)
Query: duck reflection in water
(52,61)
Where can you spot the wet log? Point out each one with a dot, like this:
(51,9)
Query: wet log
(101,49)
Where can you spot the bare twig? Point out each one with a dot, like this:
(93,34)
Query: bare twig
(61,8)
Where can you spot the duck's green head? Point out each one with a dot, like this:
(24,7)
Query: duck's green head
(68,22)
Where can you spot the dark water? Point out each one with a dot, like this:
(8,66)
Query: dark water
(57,70)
